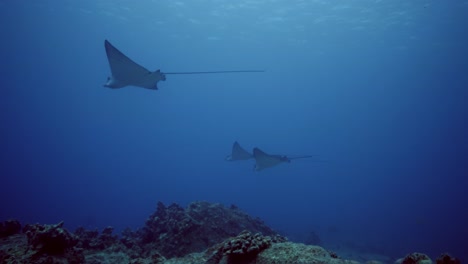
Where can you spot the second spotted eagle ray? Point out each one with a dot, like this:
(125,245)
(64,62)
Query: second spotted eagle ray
(238,153)
(264,160)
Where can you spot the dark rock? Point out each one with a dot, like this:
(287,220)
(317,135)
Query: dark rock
(107,231)
(92,240)
(416,258)
(47,244)
(129,238)
(13,248)
(245,245)
(9,227)
(157,258)
(243,248)
(87,239)
(3,256)
(333,254)
(106,238)
(445,258)
(49,239)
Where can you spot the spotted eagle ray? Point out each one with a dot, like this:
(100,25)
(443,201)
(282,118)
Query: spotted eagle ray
(238,153)
(126,72)
(264,160)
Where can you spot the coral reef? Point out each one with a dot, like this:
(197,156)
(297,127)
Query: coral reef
(333,254)
(41,244)
(415,258)
(49,239)
(248,248)
(246,244)
(293,253)
(241,249)
(13,248)
(201,233)
(175,232)
(92,240)
(445,258)
(9,228)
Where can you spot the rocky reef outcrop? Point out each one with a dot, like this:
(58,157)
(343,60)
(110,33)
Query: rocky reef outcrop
(445,258)
(41,244)
(294,253)
(243,248)
(248,248)
(202,232)
(415,258)
(49,239)
(9,228)
(233,251)
(93,240)
(174,231)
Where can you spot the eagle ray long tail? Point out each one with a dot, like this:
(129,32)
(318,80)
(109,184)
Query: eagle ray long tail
(210,72)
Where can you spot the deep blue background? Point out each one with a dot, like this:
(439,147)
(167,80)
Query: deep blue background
(377,89)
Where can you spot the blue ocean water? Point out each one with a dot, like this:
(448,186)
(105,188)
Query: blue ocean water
(376,89)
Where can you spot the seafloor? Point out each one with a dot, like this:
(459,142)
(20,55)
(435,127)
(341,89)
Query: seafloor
(201,233)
